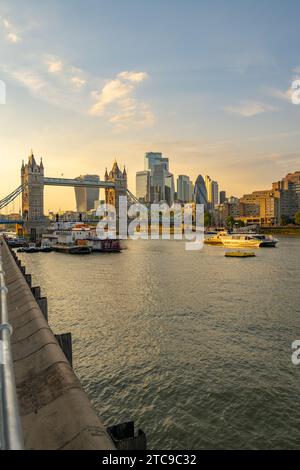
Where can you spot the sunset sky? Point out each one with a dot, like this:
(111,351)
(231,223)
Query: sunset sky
(205,82)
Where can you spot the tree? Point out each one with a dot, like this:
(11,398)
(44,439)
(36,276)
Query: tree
(230,221)
(285,220)
(207,219)
(297,218)
(240,223)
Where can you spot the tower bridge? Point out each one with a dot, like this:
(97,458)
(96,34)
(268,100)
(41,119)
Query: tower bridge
(33,181)
(79,183)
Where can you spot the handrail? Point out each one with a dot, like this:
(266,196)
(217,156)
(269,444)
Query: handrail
(11,435)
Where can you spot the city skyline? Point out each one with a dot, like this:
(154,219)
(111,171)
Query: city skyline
(207,181)
(80,99)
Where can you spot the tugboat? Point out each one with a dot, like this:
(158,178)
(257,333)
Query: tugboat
(31,248)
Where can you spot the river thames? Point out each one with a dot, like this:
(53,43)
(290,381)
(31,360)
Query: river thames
(192,346)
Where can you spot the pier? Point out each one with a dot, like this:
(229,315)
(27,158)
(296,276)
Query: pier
(54,410)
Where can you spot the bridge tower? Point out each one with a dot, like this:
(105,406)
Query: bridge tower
(32,179)
(119,178)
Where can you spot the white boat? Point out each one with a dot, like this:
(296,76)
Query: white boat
(255,240)
(63,235)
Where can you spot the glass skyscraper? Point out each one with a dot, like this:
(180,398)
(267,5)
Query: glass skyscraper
(161,180)
(143,186)
(200,192)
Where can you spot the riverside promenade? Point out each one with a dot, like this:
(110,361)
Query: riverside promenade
(55,411)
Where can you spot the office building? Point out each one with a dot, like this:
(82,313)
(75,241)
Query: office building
(169,188)
(161,180)
(85,197)
(191,192)
(212,189)
(143,186)
(208,185)
(200,192)
(222,197)
(215,194)
(158,183)
(261,207)
(183,188)
(155,158)
(289,192)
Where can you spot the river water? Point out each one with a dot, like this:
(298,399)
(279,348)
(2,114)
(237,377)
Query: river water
(193,346)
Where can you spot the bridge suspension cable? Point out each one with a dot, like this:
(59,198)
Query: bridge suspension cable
(11,197)
(133,198)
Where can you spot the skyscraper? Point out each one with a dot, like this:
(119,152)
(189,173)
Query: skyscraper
(183,188)
(143,186)
(169,188)
(191,192)
(215,194)
(212,189)
(85,197)
(161,180)
(200,192)
(222,197)
(208,185)
(152,159)
(158,183)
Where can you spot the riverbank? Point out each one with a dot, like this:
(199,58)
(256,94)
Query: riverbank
(284,230)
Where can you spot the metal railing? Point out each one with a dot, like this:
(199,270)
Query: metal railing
(11,435)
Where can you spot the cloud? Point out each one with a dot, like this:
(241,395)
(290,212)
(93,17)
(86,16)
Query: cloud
(11,34)
(116,97)
(13,37)
(65,72)
(50,88)
(30,80)
(133,76)
(115,91)
(54,65)
(77,81)
(7,24)
(249,108)
(54,80)
(283,95)
(133,115)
